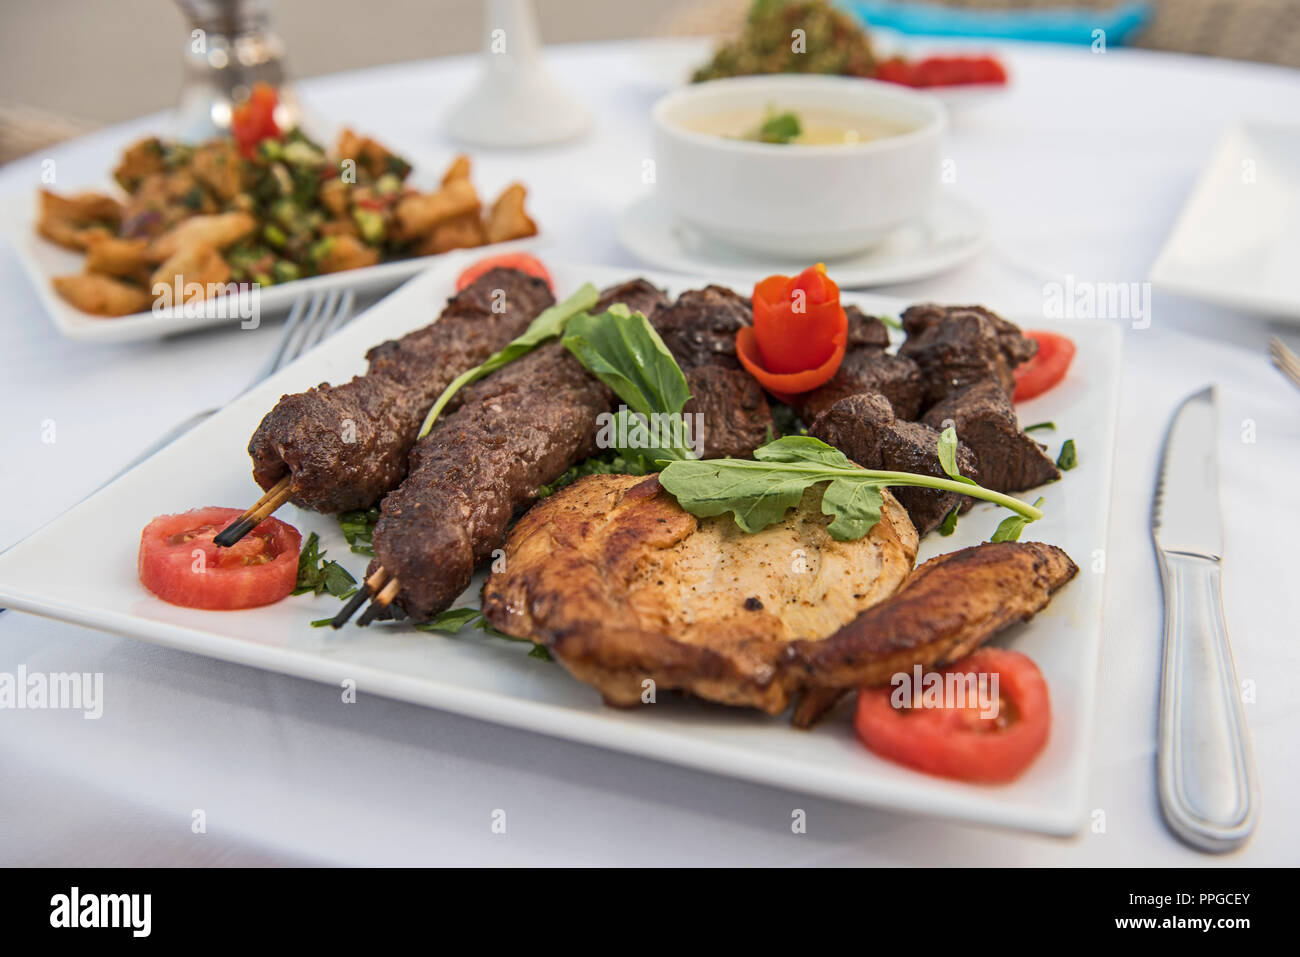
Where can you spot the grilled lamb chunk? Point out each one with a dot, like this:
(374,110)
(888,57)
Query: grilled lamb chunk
(1016,347)
(700,327)
(865,429)
(1007,458)
(958,347)
(639,295)
(736,417)
(865,330)
(346,445)
(867,369)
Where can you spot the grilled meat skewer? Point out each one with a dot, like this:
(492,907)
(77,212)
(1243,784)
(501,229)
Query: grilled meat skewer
(345,446)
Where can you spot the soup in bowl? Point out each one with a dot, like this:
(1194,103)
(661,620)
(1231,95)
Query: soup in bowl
(814,167)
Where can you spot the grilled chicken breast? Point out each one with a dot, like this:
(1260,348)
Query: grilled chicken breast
(623,585)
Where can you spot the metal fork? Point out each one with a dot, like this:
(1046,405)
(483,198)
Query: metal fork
(312,319)
(1286,360)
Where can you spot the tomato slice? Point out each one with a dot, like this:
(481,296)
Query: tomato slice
(959,742)
(181,564)
(521,261)
(254,120)
(1046,368)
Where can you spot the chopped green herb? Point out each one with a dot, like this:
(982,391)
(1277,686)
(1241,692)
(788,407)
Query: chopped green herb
(317,575)
(610,463)
(1010,528)
(1068,458)
(891,322)
(1050,426)
(779,128)
(949,523)
(322,622)
(451,621)
(359,528)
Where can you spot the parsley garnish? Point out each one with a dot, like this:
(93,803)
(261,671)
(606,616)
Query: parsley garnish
(317,575)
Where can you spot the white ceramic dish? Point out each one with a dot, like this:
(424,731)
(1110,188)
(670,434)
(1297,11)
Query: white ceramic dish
(42,260)
(813,202)
(951,233)
(55,573)
(1237,240)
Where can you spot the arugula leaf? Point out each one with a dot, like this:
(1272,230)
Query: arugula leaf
(949,523)
(317,575)
(1009,528)
(758,492)
(855,507)
(1050,426)
(450,621)
(948,456)
(645,447)
(891,322)
(549,324)
(626,353)
(1068,458)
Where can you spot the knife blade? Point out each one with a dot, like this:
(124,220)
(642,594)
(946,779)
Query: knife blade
(1204,767)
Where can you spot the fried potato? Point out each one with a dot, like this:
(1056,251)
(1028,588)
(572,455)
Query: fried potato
(334,195)
(216,165)
(125,258)
(418,214)
(84,209)
(347,252)
(195,263)
(69,235)
(459,169)
(102,295)
(140,159)
(508,220)
(459,232)
(370,156)
(218,230)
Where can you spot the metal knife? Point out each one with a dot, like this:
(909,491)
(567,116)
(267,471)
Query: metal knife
(1206,773)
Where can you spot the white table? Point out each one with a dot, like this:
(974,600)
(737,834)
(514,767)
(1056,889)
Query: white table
(1083,166)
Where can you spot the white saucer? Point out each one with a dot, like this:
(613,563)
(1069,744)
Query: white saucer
(952,233)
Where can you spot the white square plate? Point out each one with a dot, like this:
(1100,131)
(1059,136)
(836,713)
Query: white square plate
(43,260)
(82,568)
(1237,240)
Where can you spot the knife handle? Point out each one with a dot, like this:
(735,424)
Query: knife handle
(1206,773)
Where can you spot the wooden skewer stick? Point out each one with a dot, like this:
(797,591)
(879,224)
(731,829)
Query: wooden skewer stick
(381,602)
(367,588)
(275,496)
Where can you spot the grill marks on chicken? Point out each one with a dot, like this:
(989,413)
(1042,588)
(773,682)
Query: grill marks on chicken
(949,607)
(623,585)
(347,445)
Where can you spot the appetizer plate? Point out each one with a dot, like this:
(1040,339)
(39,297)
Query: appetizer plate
(952,232)
(1237,240)
(53,573)
(42,260)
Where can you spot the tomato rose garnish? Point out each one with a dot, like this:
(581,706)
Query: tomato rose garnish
(961,739)
(181,564)
(799,334)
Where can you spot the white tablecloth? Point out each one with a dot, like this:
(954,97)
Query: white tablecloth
(1082,165)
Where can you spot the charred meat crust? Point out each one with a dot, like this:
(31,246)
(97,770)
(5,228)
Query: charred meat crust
(865,428)
(515,431)
(1007,458)
(867,369)
(958,346)
(347,445)
(639,295)
(700,328)
(949,607)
